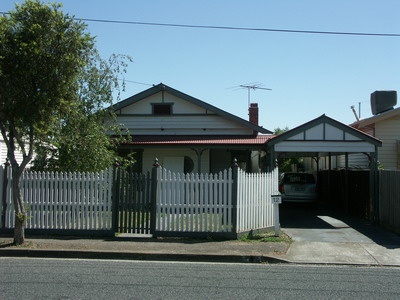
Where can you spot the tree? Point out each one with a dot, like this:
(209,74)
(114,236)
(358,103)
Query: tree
(42,54)
(279,130)
(285,163)
(79,141)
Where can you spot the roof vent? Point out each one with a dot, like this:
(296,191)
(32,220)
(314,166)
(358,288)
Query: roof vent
(382,101)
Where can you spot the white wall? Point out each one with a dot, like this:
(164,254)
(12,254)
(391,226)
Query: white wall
(186,119)
(149,156)
(389,132)
(3,153)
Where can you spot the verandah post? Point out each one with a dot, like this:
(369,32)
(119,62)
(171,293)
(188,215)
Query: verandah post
(154,181)
(235,170)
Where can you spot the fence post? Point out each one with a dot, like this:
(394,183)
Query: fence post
(154,181)
(374,187)
(235,170)
(115,197)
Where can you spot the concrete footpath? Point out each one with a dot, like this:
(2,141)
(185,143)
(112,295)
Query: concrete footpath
(302,251)
(148,249)
(343,253)
(318,237)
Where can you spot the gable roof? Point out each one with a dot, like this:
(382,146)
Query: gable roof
(301,130)
(377,118)
(162,87)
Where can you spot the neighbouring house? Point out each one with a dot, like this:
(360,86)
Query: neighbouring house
(385,126)
(188,135)
(3,153)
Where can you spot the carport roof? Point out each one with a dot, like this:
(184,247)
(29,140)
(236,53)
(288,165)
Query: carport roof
(324,134)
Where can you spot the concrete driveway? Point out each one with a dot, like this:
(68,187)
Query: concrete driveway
(323,236)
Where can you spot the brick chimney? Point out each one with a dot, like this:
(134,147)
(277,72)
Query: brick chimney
(253,113)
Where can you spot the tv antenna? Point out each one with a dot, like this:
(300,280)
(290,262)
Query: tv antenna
(253,86)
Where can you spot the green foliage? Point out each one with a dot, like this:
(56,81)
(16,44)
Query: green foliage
(285,164)
(52,88)
(268,237)
(42,53)
(279,130)
(79,142)
(21,217)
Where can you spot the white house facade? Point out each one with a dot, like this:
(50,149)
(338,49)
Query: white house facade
(187,135)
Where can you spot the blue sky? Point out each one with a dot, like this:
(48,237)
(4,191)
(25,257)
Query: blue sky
(309,74)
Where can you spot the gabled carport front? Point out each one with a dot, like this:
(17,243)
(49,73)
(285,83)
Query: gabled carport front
(326,137)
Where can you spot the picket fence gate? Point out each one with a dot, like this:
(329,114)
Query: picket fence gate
(162,203)
(194,203)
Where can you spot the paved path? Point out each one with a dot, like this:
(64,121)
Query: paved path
(326,237)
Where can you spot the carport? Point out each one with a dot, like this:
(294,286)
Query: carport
(324,139)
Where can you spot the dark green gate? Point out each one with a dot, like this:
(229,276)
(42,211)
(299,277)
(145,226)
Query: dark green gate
(132,203)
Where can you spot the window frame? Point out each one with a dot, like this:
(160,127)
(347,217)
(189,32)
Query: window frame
(163,111)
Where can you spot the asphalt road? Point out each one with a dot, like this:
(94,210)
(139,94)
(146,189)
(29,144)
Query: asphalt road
(23,278)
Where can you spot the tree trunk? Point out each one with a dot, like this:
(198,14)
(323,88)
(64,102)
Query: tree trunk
(19,229)
(19,209)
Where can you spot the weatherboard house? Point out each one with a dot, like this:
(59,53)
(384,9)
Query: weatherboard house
(188,135)
(384,124)
(191,136)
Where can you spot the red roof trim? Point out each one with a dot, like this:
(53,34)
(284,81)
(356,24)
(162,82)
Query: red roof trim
(199,140)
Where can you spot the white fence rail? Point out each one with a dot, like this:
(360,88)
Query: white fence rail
(63,200)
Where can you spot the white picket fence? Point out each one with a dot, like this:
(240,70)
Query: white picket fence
(205,202)
(63,200)
(185,203)
(194,202)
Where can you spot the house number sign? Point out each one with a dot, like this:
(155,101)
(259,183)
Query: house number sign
(276,199)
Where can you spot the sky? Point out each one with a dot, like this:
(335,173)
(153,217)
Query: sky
(308,74)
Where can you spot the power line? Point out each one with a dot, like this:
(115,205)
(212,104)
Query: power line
(243,28)
(240,28)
